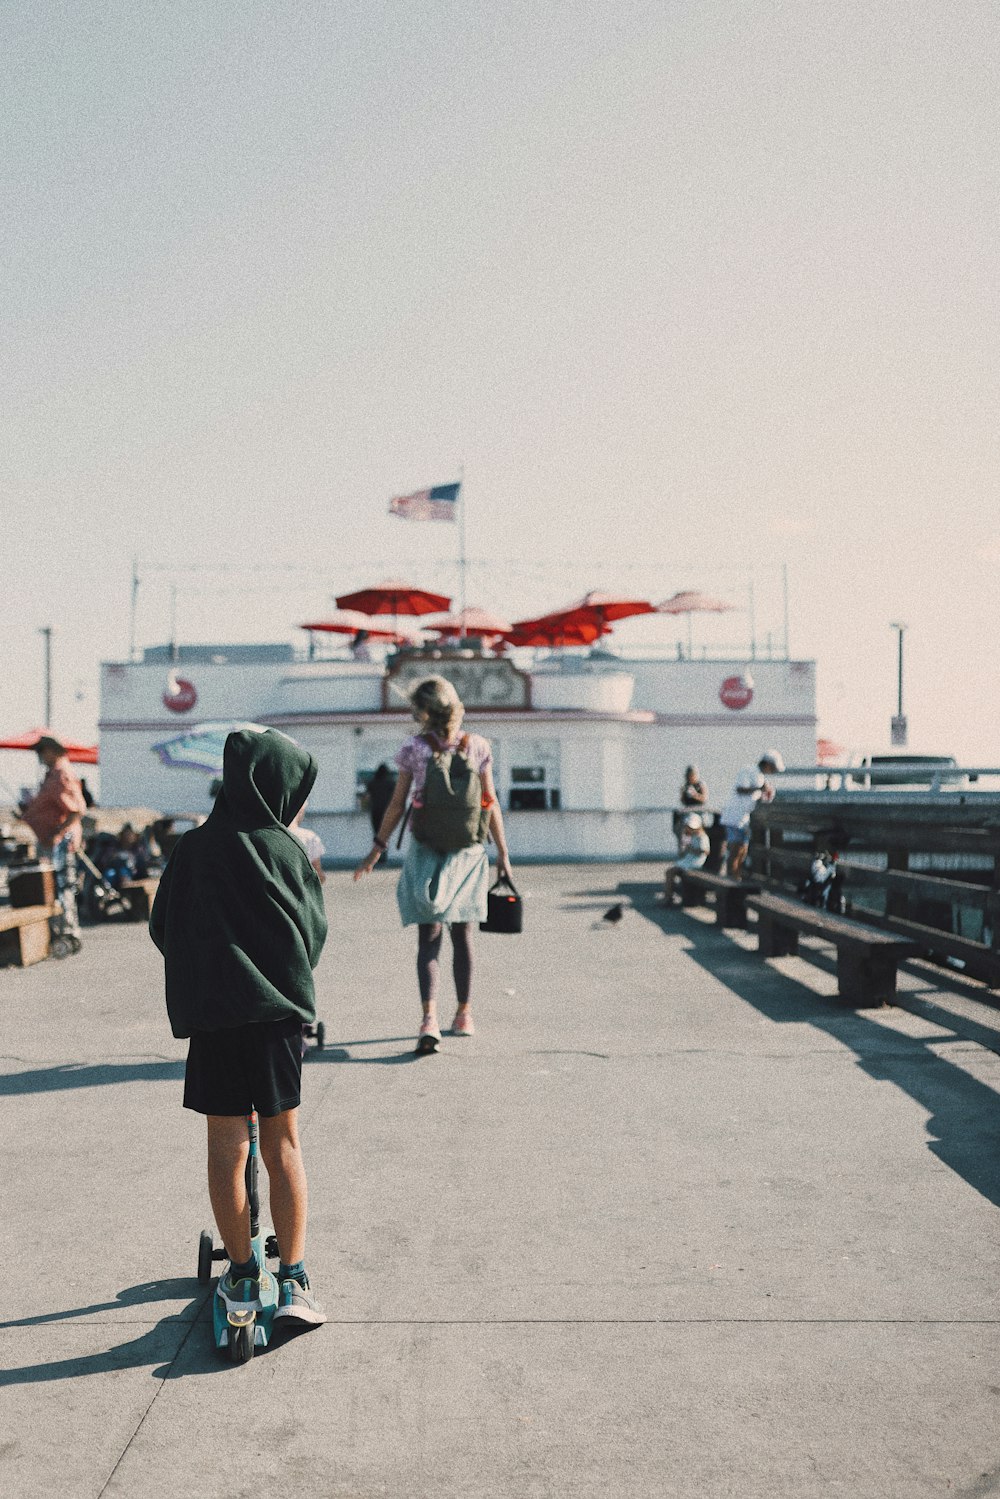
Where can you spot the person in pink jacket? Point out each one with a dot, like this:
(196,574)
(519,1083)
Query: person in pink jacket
(53,814)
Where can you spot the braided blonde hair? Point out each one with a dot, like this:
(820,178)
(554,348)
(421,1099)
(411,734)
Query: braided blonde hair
(438,707)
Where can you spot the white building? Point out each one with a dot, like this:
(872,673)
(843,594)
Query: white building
(589,751)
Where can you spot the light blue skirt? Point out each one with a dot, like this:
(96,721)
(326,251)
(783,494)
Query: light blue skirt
(443,887)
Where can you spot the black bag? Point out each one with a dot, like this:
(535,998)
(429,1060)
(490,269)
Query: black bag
(504,912)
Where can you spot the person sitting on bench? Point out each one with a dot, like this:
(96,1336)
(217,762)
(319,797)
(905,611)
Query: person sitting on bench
(693,842)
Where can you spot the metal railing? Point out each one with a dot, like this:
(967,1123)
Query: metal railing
(899,775)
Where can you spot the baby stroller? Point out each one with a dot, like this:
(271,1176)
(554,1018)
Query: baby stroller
(100,900)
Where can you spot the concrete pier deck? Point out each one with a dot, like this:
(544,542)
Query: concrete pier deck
(674,1223)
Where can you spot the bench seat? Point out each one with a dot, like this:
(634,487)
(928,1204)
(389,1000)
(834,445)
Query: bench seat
(867,957)
(730,895)
(25,935)
(138,897)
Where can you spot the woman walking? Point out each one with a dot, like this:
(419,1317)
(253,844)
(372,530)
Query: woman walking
(445,873)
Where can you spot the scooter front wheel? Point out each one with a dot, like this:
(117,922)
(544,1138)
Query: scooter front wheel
(241,1343)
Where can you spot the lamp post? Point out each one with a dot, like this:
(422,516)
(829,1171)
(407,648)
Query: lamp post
(898,723)
(46,631)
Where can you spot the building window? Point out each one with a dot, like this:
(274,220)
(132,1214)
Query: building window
(534,778)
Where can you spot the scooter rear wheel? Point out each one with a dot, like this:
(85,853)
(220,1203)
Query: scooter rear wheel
(320,1035)
(205,1257)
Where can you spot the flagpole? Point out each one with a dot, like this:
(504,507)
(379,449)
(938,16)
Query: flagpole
(462,562)
(135,596)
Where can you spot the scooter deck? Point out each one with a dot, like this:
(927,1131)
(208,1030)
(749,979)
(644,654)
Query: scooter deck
(261,1318)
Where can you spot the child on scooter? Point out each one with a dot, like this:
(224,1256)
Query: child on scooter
(239,918)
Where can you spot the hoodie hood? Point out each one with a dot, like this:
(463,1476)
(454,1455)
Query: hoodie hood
(266,778)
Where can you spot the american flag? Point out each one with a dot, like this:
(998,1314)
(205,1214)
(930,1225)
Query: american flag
(439,503)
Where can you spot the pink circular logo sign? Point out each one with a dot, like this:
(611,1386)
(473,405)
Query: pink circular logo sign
(180,696)
(735,692)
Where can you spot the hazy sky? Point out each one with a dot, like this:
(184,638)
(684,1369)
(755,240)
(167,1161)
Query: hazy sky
(691,289)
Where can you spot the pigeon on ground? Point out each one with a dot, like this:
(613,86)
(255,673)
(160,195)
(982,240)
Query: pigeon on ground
(614,914)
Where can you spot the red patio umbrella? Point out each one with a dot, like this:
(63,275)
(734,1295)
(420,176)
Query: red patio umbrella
(688,602)
(604,608)
(396,598)
(80,754)
(554,630)
(350,621)
(470,621)
(827,750)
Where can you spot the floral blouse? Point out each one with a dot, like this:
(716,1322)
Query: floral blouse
(415,753)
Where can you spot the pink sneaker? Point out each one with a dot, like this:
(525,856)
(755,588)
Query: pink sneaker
(428,1036)
(462,1024)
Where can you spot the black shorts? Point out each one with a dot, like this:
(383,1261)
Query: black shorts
(245,1067)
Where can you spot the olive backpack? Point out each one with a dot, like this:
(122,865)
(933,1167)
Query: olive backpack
(452,815)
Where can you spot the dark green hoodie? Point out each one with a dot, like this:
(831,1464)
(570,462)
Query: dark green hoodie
(239,912)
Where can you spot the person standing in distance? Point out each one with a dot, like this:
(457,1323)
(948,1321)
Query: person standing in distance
(445,875)
(54,816)
(694,792)
(736,818)
(379,794)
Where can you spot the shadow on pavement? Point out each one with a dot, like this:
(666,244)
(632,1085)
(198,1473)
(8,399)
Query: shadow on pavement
(97,1075)
(964,1122)
(187,1332)
(65,1075)
(151,1347)
(337,1052)
(372,1041)
(143,1294)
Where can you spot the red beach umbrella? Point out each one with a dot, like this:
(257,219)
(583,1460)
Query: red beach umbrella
(470,621)
(80,754)
(827,751)
(688,602)
(350,621)
(394,597)
(555,630)
(604,608)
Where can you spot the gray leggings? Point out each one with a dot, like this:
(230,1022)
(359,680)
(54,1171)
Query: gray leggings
(428,960)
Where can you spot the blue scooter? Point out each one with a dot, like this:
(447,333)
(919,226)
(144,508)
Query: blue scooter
(239,1333)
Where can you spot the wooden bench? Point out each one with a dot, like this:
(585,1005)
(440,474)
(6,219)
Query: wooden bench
(730,895)
(137,898)
(911,901)
(867,957)
(25,935)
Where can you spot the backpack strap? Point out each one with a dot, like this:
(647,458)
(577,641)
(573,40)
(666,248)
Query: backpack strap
(428,740)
